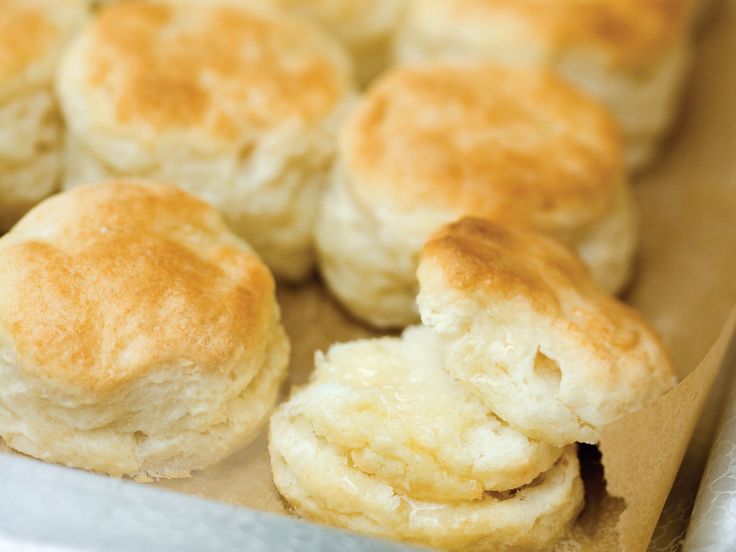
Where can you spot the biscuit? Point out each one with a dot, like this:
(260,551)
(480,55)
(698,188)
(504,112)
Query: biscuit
(525,326)
(138,335)
(233,102)
(365,27)
(382,441)
(430,144)
(32,35)
(631,54)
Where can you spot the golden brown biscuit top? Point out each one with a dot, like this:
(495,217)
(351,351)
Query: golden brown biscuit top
(515,145)
(218,68)
(488,262)
(103,284)
(31,30)
(631,32)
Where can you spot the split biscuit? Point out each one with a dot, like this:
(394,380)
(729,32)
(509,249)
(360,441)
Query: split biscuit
(526,327)
(383,442)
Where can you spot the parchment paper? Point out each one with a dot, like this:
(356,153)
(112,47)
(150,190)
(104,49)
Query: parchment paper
(686,286)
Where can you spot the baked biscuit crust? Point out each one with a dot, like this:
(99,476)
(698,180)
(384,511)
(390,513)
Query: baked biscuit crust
(32,35)
(525,326)
(629,33)
(222,70)
(518,146)
(235,103)
(633,55)
(133,322)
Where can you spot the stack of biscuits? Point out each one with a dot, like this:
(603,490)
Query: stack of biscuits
(459,170)
(460,434)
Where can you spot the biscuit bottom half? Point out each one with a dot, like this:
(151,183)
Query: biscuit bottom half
(319,482)
(385,443)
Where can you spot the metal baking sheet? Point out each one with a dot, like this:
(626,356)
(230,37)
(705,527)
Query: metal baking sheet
(52,508)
